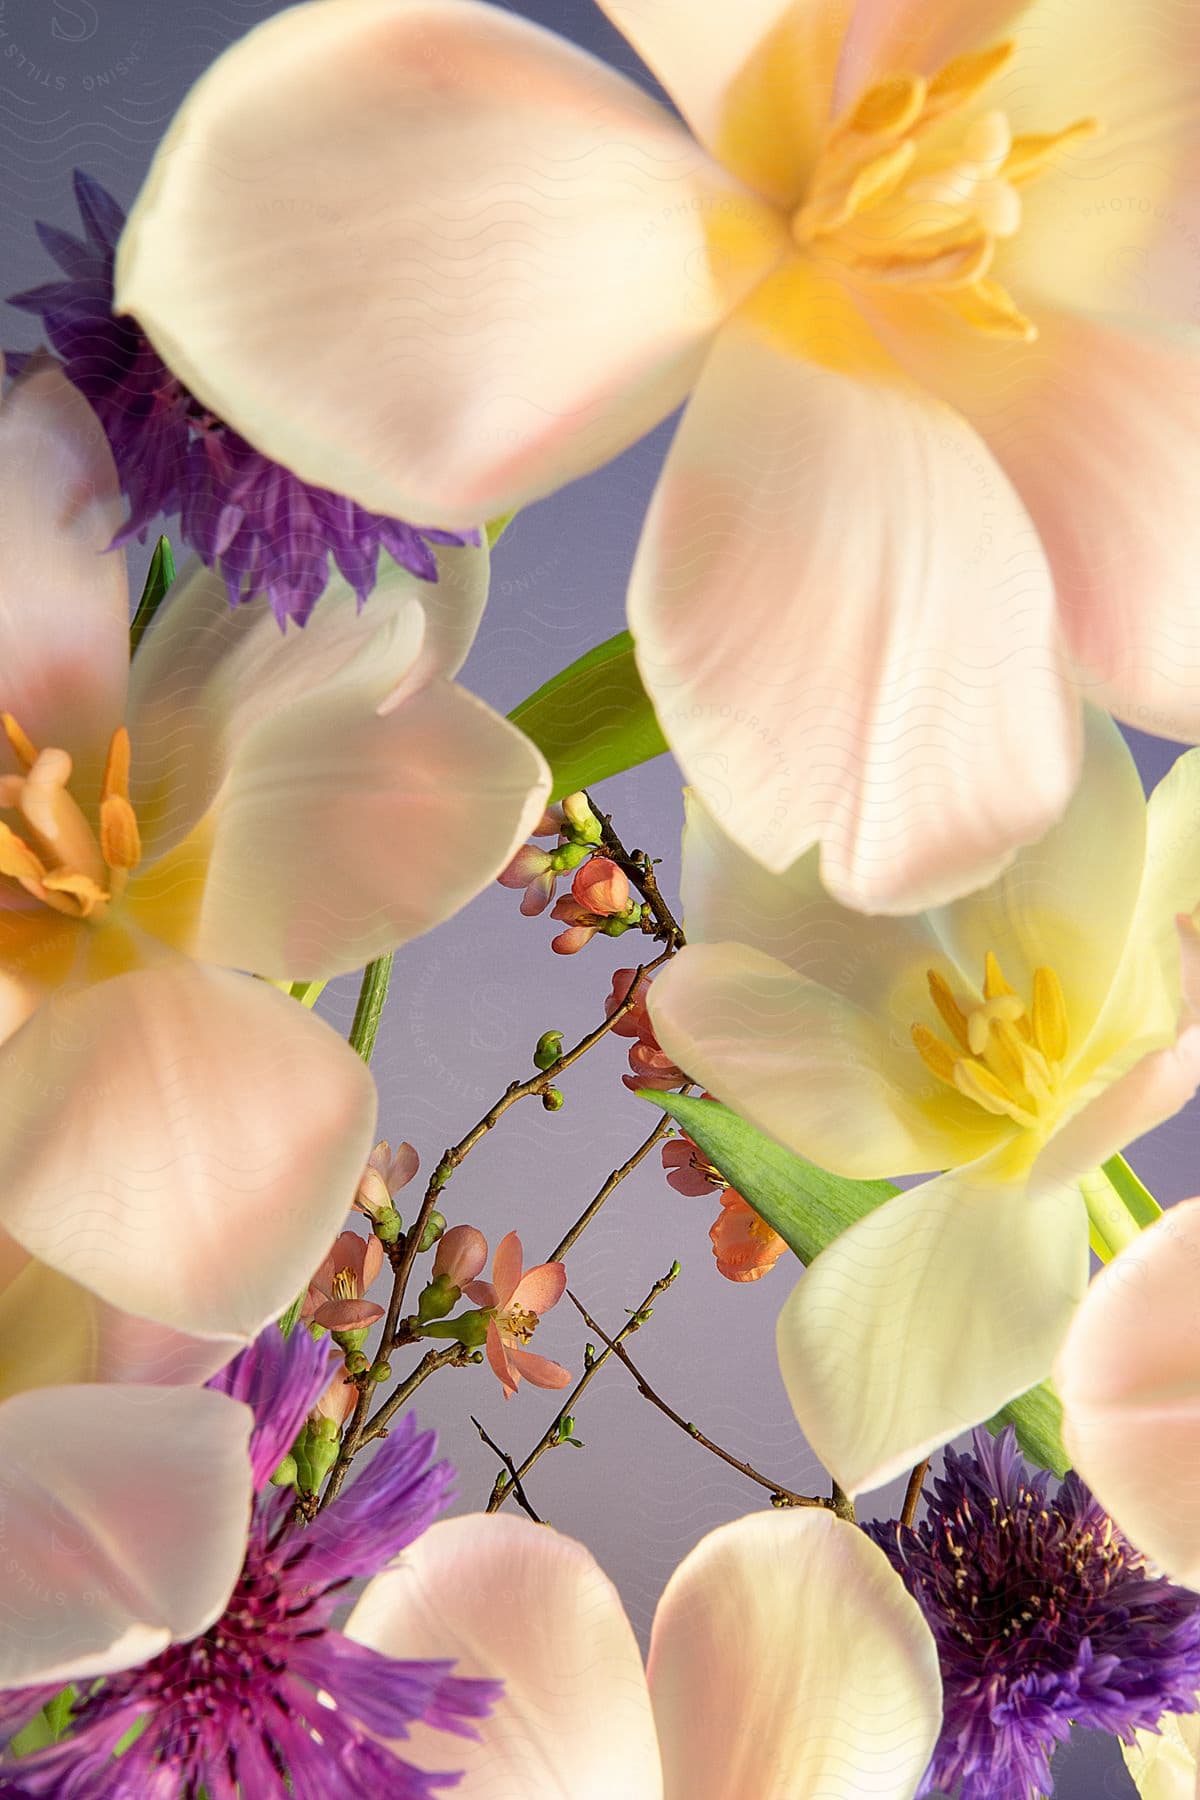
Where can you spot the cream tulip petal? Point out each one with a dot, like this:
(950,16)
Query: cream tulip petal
(881,964)
(837,1083)
(207,673)
(64,603)
(53,1331)
(1145,1095)
(753,80)
(182,1141)
(518,1601)
(431,256)
(1066,901)
(888,37)
(787,1659)
(125,1518)
(1129,1377)
(1162,1763)
(343,832)
(927,1315)
(846,624)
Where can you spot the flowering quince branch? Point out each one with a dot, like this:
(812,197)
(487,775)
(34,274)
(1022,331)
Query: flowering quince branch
(593,1363)
(609,1187)
(514,1474)
(780,1495)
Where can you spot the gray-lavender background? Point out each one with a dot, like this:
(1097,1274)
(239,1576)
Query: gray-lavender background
(93,83)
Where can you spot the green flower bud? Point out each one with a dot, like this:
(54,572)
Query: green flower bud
(357,1363)
(381,1371)
(470,1328)
(350,1341)
(553,1099)
(582,823)
(388,1226)
(548,1049)
(285,1474)
(437,1299)
(568,857)
(435,1224)
(314,1453)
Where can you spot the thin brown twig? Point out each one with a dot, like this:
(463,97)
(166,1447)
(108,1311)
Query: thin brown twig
(522,1498)
(552,1435)
(780,1495)
(912,1493)
(639,868)
(611,1183)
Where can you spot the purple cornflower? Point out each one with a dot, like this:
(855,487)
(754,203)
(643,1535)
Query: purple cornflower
(261,526)
(1045,1617)
(271,1700)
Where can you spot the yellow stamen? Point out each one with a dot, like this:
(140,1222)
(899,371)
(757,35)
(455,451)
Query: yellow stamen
(958,81)
(70,885)
(989,308)
(1049,1015)
(934,1054)
(22,747)
(344,1285)
(889,107)
(19,862)
(874,181)
(1032,151)
(979,1084)
(948,1007)
(1004,1008)
(120,839)
(993,977)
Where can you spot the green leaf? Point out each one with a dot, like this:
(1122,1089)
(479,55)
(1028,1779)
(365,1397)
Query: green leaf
(48,1727)
(806,1205)
(593,718)
(1037,1416)
(159,577)
(809,1207)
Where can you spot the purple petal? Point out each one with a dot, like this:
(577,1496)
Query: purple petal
(392,1501)
(280,1379)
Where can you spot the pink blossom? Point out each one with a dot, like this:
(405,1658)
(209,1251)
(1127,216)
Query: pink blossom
(745,1246)
(519,1300)
(337,1402)
(461,1253)
(335,1293)
(651,1066)
(532,868)
(582,926)
(601,887)
(687,1171)
(385,1174)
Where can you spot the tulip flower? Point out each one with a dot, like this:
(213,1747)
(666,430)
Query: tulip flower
(926,271)
(179,1139)
(1014,1040)
(785,1660)
(519,1300)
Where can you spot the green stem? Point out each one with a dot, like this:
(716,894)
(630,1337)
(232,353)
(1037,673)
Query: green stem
(1111,1224)
(1139,1202)
(371,999)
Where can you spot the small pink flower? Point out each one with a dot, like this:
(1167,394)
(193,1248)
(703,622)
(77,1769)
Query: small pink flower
(532,867)
(601,887)
(519,1300)
(582,925)
(335,1293)
(687,1171)
(651,1066)
(384,1176)
(744,1245)
(337,1402)
(461,1253)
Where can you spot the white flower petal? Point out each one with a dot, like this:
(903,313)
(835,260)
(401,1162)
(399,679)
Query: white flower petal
(927,1315)
(787,1659)
(182,1141)
(125,1517)
(518,1601)
(432,257)
(846,623)
(832,1080)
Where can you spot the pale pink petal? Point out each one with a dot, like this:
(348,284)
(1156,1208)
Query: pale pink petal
(498,1360)
(1150,1092)
(529,862)
(347,1315)
(518,1602)
(573,940)
(372,1196)
(64,603)
(182,1141)
(927,1315)
(125,1513)
(461,1253)
(372,1262)
(839,1084)
(349,1252)
(541,1287)
(682,1162)
(206,674)
(481,1293)
(539,1369)
(1102,443)
(538,896)
(402,1168)
(1129,1378)
(847,624)
(506,1266)
(788,1660)
(60,1332)
(753,81)
(341,833)
(539,252)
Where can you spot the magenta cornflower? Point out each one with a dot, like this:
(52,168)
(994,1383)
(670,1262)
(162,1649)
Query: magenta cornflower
(1045,1617)
(272,1700)
(263,528)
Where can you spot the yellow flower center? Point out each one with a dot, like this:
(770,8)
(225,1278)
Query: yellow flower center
(519,1324)
(345,1287)
(54,853)
(897,203)
(1005,1056)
